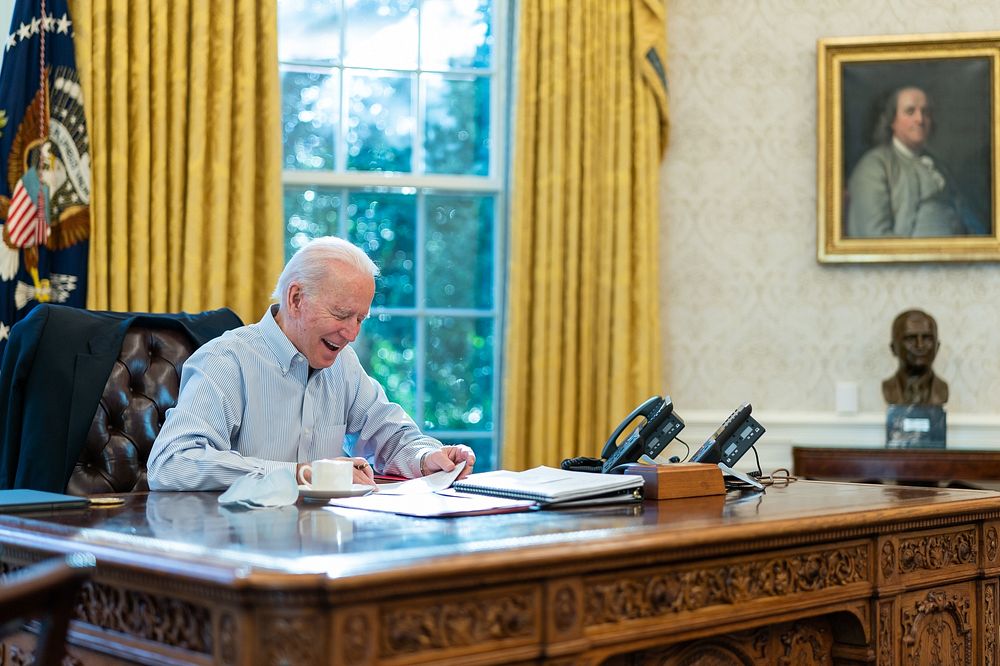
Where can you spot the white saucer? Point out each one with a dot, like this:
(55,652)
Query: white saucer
(356,490)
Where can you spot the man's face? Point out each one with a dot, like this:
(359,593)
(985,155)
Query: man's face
(917,344)
(912,124)
(323,323)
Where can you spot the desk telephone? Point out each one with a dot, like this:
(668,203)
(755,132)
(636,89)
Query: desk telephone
(659,426)
(730,441)
(650,437)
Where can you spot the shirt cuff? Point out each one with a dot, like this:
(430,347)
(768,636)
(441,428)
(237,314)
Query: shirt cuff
(407,463)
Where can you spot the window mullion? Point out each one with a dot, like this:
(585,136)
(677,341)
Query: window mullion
(421,302)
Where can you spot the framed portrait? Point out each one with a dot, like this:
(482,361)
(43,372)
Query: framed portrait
(908,130)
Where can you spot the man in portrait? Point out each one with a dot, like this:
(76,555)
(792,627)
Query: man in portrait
(899,188)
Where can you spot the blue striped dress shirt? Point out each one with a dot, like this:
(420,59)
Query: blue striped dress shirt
(247,403)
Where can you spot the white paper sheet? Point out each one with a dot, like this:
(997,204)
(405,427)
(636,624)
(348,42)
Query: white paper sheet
(424,484)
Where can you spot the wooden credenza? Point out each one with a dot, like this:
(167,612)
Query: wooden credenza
(918,466)
(811,573)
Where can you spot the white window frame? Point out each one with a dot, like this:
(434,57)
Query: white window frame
(421,184)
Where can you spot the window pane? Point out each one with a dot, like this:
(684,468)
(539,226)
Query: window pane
(386,349)
(381,33)
(456,33)
(309,212)
(380,122)
(459,392)
(310,110)
(457,127)
(459,250)
(384,224)
(309,31)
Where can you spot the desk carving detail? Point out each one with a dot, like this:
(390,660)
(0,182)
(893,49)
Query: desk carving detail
(565,609)
(355,649)
(227,639)
(293,640)
(885,625)
(989,622)
(155,618)
(803,642)
(888,559)
(938,626)
(991,543)
(459,623)
(935,552)
(680,591)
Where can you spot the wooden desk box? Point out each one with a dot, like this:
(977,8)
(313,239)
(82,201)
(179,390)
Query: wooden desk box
(679,480)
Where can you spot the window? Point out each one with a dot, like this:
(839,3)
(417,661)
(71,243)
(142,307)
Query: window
(392,131)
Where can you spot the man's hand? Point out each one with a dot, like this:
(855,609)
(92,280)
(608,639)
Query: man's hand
(445,459)
(363,472)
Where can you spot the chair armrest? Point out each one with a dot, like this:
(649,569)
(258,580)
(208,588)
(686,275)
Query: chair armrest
(46,590)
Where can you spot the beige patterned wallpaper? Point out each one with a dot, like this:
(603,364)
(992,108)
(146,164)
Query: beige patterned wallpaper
(748,311)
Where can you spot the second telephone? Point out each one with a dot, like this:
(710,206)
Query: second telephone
(650,437)
(732,439)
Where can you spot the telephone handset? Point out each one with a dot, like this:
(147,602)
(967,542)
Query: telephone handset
(650,437)
(732,439)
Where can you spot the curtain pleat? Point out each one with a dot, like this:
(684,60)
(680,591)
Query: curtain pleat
(583,343)
(186,205)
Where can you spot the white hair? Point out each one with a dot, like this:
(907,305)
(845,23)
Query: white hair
(309,267)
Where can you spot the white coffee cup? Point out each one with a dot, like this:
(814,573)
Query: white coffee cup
(332,474)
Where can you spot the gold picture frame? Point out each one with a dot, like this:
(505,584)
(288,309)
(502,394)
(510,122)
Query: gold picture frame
(891,185)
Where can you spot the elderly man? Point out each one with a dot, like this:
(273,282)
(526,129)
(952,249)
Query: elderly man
(286,390)
(898,188)
(915,343)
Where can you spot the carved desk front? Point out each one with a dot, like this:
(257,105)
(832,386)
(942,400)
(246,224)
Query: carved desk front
(812,573)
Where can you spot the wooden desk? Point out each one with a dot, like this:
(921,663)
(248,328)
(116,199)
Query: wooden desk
(808,574)
(923,466)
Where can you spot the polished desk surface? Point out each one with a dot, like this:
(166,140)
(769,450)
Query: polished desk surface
(191,534)
(865,570)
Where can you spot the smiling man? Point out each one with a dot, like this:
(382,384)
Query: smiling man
(898,188)
(915,343)
(286,390)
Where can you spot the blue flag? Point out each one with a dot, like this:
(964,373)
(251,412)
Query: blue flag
(44,165)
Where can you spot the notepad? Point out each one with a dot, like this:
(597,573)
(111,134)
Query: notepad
(23,499)
(548,485)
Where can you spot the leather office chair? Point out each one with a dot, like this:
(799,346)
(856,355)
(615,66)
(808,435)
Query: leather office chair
(45,591)
(83,394)
(143,385)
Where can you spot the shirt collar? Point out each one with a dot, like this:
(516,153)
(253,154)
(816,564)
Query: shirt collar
(902,149)
(278,342)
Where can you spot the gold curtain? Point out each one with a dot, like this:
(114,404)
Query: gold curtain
(583,329)
(183,111)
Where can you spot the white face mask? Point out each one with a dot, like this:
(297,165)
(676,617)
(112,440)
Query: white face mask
(256,491)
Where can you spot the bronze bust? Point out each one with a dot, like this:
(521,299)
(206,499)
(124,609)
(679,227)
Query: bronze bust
(915,344)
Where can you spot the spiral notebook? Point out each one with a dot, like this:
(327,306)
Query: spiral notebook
(548,485)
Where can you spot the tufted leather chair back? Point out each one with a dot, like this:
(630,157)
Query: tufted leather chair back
(143,385)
